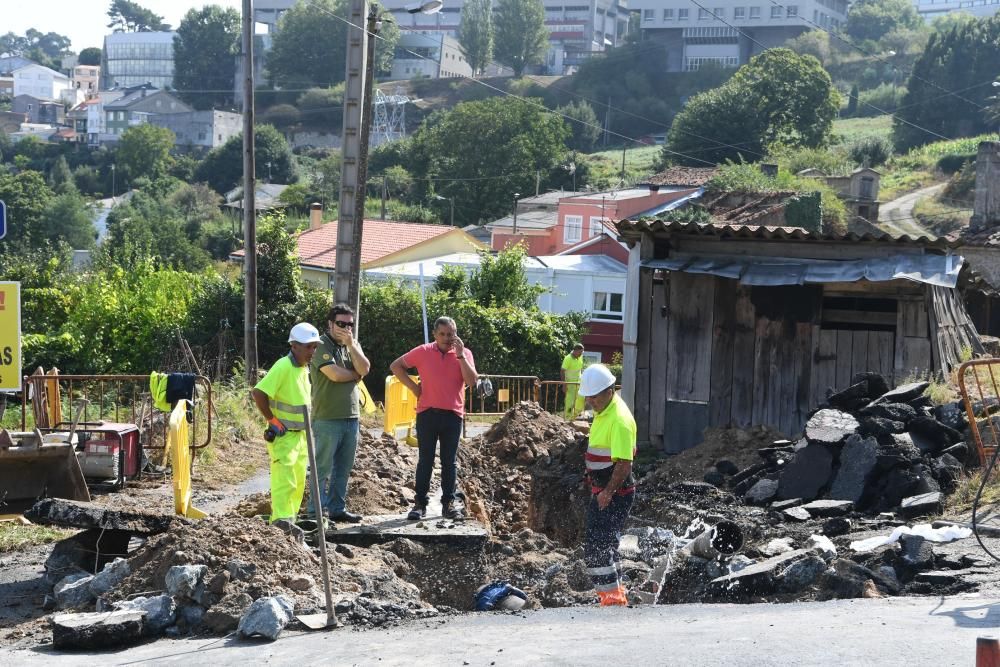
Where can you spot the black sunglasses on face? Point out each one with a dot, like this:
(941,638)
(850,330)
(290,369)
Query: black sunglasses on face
(344,325)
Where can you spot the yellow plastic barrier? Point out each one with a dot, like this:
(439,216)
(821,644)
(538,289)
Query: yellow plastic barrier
(400,408)
(367,402)
(180,461)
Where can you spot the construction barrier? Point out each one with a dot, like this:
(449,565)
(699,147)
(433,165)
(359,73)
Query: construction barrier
(979,382)
(552,395)
(501,394)
(108,398)
(400,408)
(181,461)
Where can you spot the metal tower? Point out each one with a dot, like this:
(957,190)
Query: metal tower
(389,117)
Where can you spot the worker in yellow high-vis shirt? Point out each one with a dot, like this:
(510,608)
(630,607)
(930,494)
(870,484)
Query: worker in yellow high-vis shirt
(572,365)
(282,397)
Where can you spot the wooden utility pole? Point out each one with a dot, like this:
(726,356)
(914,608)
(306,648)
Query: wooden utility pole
(354,151)
(249,203)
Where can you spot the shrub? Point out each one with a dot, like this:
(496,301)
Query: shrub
(870,151)
(884,98)
(961,187)
(953,163)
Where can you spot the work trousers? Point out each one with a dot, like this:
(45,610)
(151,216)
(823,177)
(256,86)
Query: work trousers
(574,402)
(289,462)
(600,545)
(433,426)
(336,444)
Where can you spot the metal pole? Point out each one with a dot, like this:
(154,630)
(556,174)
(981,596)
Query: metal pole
(515,213)
(385,192)
(249,205)
(623,162)
(354,149)
(452,211)
(423,303)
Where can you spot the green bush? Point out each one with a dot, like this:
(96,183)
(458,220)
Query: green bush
(953,163)
(884,98)
(870,151)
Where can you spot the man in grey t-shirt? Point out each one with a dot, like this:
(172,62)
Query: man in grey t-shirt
(335,370)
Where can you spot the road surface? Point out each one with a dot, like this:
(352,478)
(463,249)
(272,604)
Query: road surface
(896,216)
(900,631)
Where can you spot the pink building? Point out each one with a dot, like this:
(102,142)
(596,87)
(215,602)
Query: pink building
(549,224)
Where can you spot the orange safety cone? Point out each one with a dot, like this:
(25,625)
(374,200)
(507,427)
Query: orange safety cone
(987,652)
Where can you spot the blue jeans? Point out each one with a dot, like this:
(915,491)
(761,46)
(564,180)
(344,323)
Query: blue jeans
(336,444)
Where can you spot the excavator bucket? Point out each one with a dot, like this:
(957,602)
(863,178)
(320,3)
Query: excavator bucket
(31,468)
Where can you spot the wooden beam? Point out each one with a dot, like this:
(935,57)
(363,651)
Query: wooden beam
(720,403)
(744,341)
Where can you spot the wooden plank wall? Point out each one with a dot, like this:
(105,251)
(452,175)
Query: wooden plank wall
(658,359)
(953,335)
(689,345)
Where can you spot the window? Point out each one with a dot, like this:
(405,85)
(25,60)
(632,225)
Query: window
(755,12)
(791,10)
(682,14)
(648,14)
(739,13)
(776,12)
(703,14)
(668,14)
(608,306)
(596,226)
(572,228)
(720,12)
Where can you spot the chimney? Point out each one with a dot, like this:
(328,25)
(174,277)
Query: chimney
(986,209)
(315,216)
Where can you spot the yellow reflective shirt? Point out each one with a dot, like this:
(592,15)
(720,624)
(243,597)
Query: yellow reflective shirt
(288,391)
(573,367)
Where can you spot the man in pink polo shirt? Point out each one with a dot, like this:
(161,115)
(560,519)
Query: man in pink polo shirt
(445,367)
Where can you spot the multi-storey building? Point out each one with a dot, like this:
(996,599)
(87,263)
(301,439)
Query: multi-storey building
(134,58)
(86,78)
(730,32)
(576,31)
(137,107)
(40,82)
(931,9)
(436,56)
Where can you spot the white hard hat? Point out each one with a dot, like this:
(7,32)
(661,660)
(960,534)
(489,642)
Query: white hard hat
(596,379)
(304,333)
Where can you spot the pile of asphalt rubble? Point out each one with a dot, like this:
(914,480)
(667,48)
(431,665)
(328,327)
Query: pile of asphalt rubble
(870,460)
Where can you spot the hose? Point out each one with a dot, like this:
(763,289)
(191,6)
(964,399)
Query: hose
(975,503)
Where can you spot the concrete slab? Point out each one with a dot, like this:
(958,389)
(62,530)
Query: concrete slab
(432,528)
(757,578)
(73,514)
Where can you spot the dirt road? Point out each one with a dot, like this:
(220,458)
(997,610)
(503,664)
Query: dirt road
(896,216)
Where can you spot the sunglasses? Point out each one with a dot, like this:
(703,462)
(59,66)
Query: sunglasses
(344,325)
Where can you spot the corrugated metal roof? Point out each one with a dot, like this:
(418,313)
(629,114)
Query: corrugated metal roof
(940,270)
(767,233)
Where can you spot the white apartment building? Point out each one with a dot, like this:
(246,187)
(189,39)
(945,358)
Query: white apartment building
(86,78)
(931,9)
(40,82)
(730,32)
(577,28)
(436,56)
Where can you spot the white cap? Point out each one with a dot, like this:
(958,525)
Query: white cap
(304,333)
(596,379)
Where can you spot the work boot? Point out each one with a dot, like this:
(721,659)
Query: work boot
(449,510)
(291,529)
(349,517)
(417,513)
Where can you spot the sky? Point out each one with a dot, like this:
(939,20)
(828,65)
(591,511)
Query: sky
(85,21)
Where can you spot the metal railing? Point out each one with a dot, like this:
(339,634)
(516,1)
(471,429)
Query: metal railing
(553,395)
(110,398)
(981,397)
(508,391)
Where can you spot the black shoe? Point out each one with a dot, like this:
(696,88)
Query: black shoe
(417,513)
(451,511)
(349,517)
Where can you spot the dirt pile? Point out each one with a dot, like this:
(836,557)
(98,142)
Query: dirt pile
(382,479)
(728,448)
(497,469)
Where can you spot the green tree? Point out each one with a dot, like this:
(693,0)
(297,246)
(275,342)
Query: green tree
(872,19)
(475,34)
(27,197)
(68,218)
(778,97)
(205,50)
(521,37)
(90,56)
(815,43)
(46,48)
(60,177)
(311,43)
(852,102)
(584,125)
(484,151)
(149,227)
(501,280)
(144,151)
(322,108)
(222,168)
(958,59)
(128,16)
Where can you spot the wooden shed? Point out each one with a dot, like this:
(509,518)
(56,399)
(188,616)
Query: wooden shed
(740,325)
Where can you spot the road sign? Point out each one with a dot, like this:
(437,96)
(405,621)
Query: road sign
(10,336)
(3,219)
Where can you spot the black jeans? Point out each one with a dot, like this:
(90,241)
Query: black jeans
(600,542)
(434,425)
